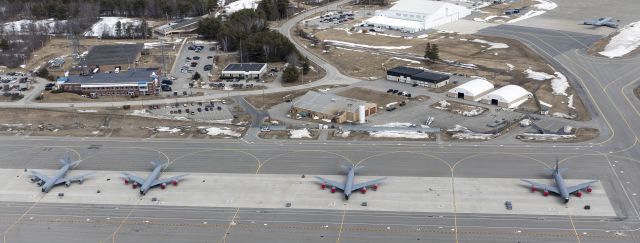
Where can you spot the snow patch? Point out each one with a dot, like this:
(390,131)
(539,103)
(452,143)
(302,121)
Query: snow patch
(492,45)
(167,129)
(545,5)
(510,66)
(626,40)
(215,131)
(422,36)
(396,124)
(563,115)
(240,5)
(570,102)
(399,134)
(299,133)
(367,46)
(529,14)
(559,84)
(108,25)
(406,60)
(538,75)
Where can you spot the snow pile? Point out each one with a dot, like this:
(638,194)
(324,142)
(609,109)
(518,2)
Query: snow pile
(139,112)
(422,36)
(343,43)
(567,129)
(443,105)
(570,102)
(525,122)
(107,25)
(545,104)
(396,124)
(167,129)
(538,75)
(543,137)
(488,18)
(545,5)
(474,112)
(492,45)
(626,40)
(406,60)
(215,131)
(299,133)
(345,134)
(465,133)
(240,5)
(399,134)
(559,84)
(563,115)
(510,66)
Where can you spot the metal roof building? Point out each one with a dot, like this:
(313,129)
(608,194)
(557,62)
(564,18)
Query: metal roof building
(114,54)
(471,90)
(510,96)
(331,107)
(418,15)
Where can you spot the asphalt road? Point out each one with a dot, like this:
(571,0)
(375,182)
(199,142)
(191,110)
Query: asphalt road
(605,85)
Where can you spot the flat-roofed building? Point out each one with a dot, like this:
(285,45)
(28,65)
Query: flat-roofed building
(417,76)
(332,107)
(140,81)
(244,70)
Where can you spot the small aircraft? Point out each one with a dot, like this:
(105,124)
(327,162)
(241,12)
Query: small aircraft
(47,182)
(349,187)
(560,188)
(605,21)
(152,180)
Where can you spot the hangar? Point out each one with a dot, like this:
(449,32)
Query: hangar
(417,15)
(471,90)
(510,96)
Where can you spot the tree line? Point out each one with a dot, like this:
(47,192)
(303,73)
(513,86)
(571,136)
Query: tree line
(246,31)
(68,9)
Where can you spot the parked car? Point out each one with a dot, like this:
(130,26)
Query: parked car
(167,82)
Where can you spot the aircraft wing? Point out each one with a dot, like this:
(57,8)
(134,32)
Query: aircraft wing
(589,22)
(542,186)
(575,188)
(134,178)
(367,183)
(77,178)
(331,183)
(40,176)
(612,24)
(168,180)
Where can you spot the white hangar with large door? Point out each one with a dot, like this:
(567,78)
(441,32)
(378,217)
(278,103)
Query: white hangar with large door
(471,90)
(510,96)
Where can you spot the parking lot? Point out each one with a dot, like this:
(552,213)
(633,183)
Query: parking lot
(193,58)
(14,85)
(205,111)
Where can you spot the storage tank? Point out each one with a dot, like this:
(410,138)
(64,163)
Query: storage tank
(361,118)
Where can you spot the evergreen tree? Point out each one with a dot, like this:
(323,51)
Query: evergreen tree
(118,29)
(4,44)
(290,74)
(305,66)
(434,52)
(427,51)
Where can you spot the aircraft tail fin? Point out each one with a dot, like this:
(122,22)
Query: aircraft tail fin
(345,168)
(557,164)
(66,159)
(157,163)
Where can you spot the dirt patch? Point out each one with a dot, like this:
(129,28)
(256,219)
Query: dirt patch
(560,103)
(99,123)
(459,108)
(377,97)
(285,135)
(264,102)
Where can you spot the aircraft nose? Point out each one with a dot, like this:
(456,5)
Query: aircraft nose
(346,197)
(44,190)
(566,200)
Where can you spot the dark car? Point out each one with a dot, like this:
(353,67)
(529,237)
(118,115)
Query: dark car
(199,109)
(395,91)
(389,90)
(208,67)
(165,88)
(209,57)
(167,82)
(196,58)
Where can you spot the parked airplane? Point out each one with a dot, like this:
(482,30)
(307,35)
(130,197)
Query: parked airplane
(58,178)
(348,187)
(560,188)
(152,180)
(606,21)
